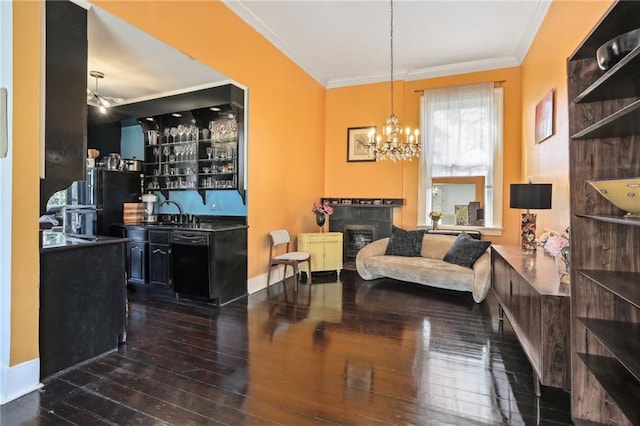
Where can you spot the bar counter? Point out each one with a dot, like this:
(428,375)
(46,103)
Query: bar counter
(82,299)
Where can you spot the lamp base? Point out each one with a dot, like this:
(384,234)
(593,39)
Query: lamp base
(528,231)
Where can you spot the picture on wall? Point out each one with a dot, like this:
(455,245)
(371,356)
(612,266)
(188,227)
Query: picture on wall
(358,144)
(544,118)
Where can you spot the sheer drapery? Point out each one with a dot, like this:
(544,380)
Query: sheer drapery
(462,137)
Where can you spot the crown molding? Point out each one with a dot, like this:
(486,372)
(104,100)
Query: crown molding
(530,31)
(261,27)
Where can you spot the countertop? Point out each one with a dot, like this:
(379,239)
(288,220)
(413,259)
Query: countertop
(60,241)
(203,226)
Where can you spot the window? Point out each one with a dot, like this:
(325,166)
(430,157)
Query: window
(461,165)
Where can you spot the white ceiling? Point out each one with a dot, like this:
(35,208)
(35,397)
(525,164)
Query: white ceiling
(339,43)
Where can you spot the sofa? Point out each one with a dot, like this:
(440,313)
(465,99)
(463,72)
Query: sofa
(427,265)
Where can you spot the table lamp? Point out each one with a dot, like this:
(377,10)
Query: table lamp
(529,196)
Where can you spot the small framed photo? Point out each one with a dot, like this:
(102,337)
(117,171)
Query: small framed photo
(358,144)
(544,118)
(462,214)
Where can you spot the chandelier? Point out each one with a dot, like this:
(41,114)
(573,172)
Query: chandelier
(395,143)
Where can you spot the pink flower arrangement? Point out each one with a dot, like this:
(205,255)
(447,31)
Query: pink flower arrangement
(323,208)
(553,242)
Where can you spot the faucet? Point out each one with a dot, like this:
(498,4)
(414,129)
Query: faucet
(167,201)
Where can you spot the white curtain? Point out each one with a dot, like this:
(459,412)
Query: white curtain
(460,134)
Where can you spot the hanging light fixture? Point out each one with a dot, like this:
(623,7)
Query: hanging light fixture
(96,99)
(395,143)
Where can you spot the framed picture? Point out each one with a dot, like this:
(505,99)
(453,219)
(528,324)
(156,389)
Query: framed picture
(358,144)
(462,214)
(544,118)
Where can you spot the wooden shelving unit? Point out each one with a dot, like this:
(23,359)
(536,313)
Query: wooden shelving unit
(604,112)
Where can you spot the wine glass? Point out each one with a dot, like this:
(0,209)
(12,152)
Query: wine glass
(166,135)
(209,152)
(187,132)
(156,153)
(174,133)
(206,170)
(194,132)
(180,131)
(166,151)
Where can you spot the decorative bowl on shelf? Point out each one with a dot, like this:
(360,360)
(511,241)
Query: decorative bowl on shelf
(615,49)
(624,193)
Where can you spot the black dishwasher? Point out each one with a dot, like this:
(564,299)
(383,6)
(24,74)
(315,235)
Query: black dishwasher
(191,263)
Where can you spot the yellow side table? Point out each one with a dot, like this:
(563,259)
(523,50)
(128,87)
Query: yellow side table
(325,249)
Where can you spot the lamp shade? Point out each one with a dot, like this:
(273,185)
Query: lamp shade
(530,196)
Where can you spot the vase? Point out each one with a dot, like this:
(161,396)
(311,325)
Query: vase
(320,220)
(562,262)
(435,225)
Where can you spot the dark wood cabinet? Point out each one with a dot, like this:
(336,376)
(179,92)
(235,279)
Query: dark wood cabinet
(159,258)
(159,264)
(530,295)
(605,253)
(136,255)
(136,262)
(82,303)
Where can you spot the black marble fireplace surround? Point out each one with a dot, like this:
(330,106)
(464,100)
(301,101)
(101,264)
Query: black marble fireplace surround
(360,225)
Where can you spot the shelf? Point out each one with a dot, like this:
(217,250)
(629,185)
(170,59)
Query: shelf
(170,144)
(622,339)
(364,202)
(619,19)
(217,174)
(610,219)
(623,284)
(220,141)
(617,382)
(621,81)
(215,188)
(219,159)
(624,122)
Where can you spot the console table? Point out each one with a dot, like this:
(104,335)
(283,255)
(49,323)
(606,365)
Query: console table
(325,249)
(529,293)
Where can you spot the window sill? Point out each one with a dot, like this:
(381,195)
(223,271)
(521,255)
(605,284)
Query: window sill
(483,230)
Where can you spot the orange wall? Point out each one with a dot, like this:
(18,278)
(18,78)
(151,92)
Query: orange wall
(368,105)
(297,129)
(26,183)
(286,110)
(544,68)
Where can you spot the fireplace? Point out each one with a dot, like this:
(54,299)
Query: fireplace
(356,237)
(360,225)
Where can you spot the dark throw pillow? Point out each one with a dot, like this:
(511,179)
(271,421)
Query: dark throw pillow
(405,243)
(466,250)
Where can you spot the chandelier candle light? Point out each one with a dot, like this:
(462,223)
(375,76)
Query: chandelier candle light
(395,143)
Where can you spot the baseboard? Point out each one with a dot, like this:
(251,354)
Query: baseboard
(259,282)
(19,380)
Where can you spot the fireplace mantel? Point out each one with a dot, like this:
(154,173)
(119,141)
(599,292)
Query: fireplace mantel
(364,202)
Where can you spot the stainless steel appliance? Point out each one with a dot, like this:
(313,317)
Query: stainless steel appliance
(93,205)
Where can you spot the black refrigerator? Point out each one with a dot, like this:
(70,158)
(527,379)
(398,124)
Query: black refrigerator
(94,204)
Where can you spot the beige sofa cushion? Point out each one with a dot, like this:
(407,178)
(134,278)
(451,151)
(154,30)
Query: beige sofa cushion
(436,246)
(422,270)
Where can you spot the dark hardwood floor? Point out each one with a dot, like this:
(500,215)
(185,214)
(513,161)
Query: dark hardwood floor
(350,353)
